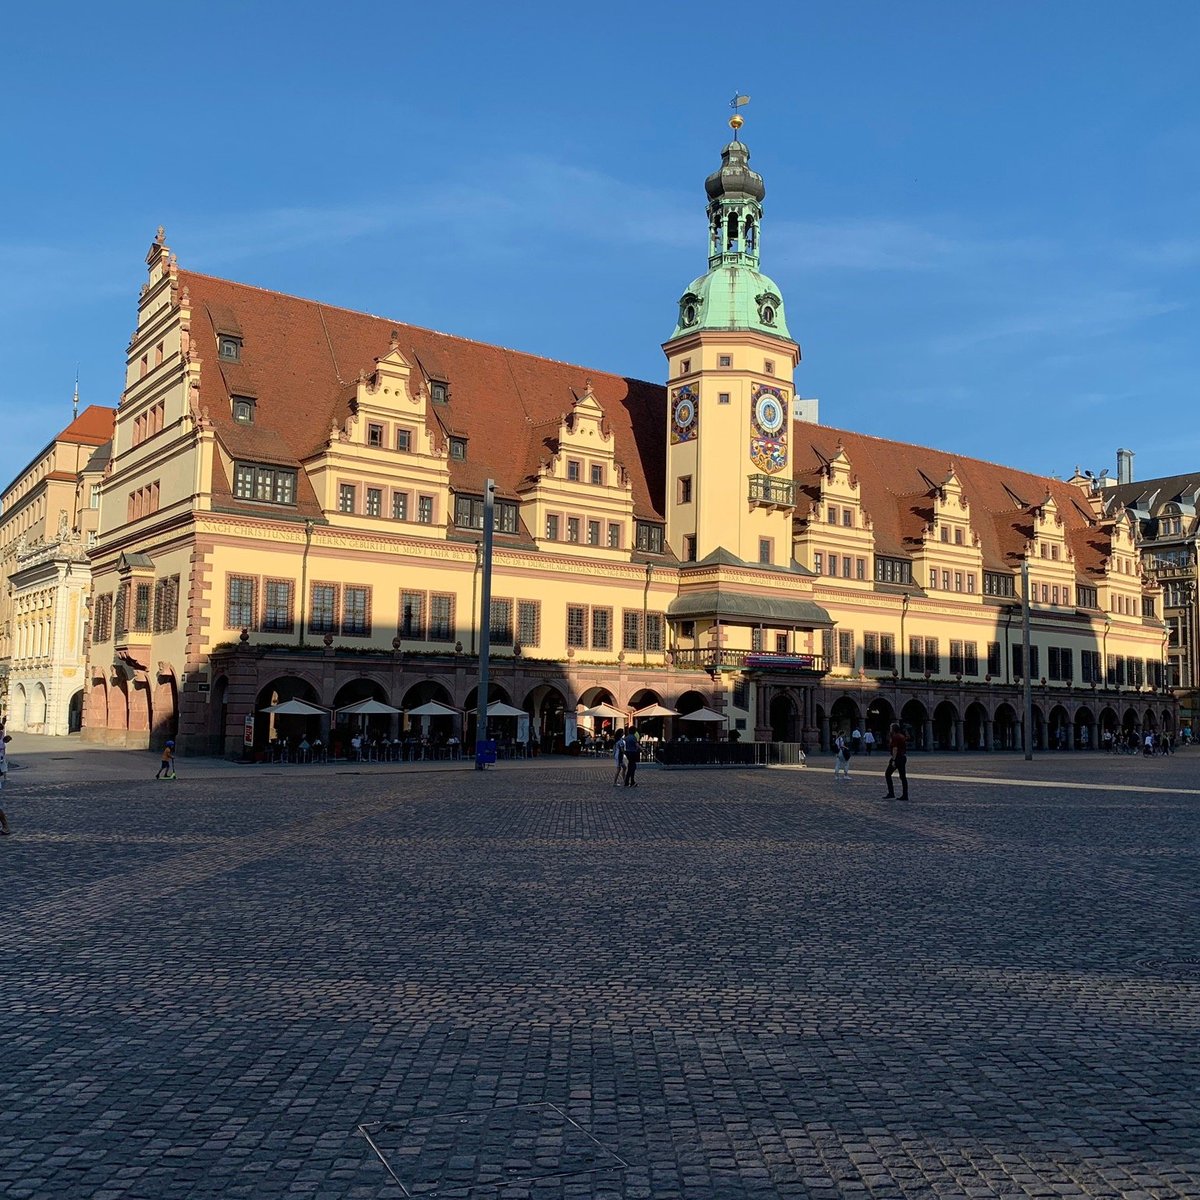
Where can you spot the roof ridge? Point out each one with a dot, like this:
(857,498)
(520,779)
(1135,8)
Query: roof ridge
(458,337)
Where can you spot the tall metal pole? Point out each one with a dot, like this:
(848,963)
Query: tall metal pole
(485,623)
(1026,659)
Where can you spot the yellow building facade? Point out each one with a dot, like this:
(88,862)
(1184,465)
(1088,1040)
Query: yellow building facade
(294,507)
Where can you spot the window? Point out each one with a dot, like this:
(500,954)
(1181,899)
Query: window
(689,548)
(993,658)
(848,518)
(997,584)
(468,512)
(1054,552)
(685,366)
(833,564)
(574,468)
(529,622)
(722,397)
(593,533)
(439,392)
(122,609)
(756,639)
(323,608)
(458,448)
(892,570)
(572,529)
(268,485)
(598,474)
(879,652)
(818,562)
(239,605)
(1018,659)
(764,551)
(505,516)
(374,435)
(956,658)
(845,644)
(425,510)
(400,506)
(725,360)
(958,536)
(1045,593)
(356,611)
(501,623)
(277,611)
(971,582)
(846,566)
(958,581)
(945,581)
(243,410)
(685,489)
(649,537)
(374,502)
(230,348)
(768,364)
(860,568)
(412,616)
(346,498)
(404,440)
(441,617)
(102,619)
(924,655)
(141,607)
(552,527)
(94,496)
(576,626)
(831,515)
(602,628)
(1148,606)
(945,531)
(631,629)
(655,628)
(933,578)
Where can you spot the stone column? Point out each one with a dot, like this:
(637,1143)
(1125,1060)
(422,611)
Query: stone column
(1019,735)
(928,733)
(824,741)
(958,735)
(987,734)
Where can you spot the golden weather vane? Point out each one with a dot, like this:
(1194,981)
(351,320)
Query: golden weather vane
(737,120)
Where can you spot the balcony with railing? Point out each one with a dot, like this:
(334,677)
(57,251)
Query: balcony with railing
(749,660)
(772,491)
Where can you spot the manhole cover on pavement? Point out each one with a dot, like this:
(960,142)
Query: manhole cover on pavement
(482,1154)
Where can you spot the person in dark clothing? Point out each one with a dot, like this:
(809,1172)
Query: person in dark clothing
(633,752)
(898,745)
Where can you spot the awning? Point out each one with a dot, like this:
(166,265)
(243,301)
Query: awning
(743,608)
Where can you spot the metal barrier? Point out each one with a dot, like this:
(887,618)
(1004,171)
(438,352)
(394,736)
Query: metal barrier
(786,754)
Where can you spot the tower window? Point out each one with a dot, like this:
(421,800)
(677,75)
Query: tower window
(768,364)
(685,365)
(689,314)
(722,397)
(725,360)
(768,315)
(685,489)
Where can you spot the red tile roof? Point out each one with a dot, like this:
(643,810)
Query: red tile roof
(93,426)
(300,358)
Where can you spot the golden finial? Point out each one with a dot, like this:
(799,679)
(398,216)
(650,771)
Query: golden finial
(737,120)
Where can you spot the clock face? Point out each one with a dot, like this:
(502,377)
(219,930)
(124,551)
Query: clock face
(769,413)
(684,416)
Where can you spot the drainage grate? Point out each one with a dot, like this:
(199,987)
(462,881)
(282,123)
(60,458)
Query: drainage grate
(1173,966)
(485,1153)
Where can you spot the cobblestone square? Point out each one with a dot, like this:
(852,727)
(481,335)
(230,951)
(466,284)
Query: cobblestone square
(741,984)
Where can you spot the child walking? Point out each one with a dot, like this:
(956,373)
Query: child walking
(166,769)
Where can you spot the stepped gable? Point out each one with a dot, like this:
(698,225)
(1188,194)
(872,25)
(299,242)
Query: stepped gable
(894,479)
(300,361)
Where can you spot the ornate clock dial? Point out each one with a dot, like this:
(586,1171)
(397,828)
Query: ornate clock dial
(769,413)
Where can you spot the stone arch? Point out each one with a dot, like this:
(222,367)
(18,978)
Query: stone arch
(880,715)
(425,691)
(496,692)
(822,721)
(690,702)
(945,727)
(1129,720)
(365,687)
(1150,721)
(784,715)
(37,708)
(286,728)
(218,715)
(975,726)
(19,716)
(165,707)
(1109,721)
(592,696)
(844,717)
(547,707)
(642,697)
(1168,721)
(1085,728)
(1060,733)
(914,716)
(118,704)
(1006,729)
(75,711)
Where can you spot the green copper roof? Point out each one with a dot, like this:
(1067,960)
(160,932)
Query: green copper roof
(732,296)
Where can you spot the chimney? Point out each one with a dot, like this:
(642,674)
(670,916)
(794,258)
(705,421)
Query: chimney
(1124,466)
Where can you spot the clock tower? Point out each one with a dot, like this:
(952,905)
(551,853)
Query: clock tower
(730,365)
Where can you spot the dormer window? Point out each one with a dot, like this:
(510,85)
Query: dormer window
(374,435)
(230,348)
(458,448)
(439,391)
(243,410)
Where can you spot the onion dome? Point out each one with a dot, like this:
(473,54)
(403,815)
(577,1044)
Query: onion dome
(734,180)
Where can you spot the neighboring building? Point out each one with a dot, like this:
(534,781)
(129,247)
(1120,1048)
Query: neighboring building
(295,500)
(1164,512)
(48,522)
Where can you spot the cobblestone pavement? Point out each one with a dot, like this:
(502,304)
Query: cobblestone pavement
(718,985)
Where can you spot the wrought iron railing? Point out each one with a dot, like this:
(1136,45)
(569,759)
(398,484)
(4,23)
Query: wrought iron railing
(748,660)
(773,490)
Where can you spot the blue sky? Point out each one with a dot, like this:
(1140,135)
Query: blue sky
(984,218)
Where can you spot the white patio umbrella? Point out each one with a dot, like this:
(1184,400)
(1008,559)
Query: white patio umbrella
(654,710)
(703,714)
(498,708)
(432,708)
(370,708)
(605,711)
(296,708)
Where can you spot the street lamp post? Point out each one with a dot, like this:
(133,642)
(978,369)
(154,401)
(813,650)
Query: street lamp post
(485,625)
(1026,662)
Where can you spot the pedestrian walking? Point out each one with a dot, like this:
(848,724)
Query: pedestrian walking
(898,746)
(869,742)
(633,752)
(856,741)
(166,768)
(4,740)
(841,761)
(619,759)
